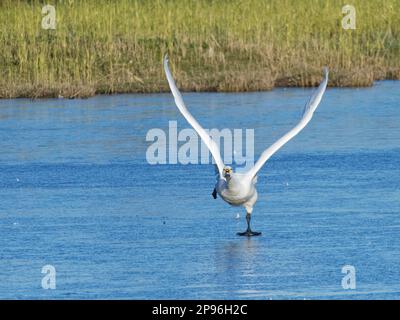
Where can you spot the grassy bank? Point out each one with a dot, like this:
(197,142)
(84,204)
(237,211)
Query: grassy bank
(103,46)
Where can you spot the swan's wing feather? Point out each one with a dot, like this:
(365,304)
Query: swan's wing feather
(308,112)
(315,99)
(211,145)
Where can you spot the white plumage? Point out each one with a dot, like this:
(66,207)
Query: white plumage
(239,189)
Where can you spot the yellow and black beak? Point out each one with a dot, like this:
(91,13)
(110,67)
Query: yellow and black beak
(227,171)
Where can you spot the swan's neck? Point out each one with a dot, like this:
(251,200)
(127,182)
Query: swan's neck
(233,182)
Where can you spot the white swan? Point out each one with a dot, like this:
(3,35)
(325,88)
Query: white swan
(238,189)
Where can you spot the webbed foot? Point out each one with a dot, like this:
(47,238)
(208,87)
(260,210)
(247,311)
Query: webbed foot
(249,233)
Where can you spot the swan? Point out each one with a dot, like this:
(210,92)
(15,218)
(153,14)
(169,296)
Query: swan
(239,189)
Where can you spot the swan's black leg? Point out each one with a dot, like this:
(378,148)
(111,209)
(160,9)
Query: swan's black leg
(214,193)
(248,232)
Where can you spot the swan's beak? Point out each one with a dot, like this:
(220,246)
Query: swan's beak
(227,173)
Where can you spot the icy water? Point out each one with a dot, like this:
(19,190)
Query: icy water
(77,193)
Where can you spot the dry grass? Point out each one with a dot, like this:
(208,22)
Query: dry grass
(102,46)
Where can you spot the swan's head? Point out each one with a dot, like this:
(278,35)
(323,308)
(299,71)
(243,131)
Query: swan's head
(227,172)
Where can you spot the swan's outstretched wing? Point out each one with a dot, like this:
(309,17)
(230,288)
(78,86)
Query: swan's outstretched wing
(211,145)
(308,112)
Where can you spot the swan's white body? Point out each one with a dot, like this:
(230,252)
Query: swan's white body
(238,189)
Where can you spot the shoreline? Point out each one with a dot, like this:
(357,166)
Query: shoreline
(108,47)
(167,91)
